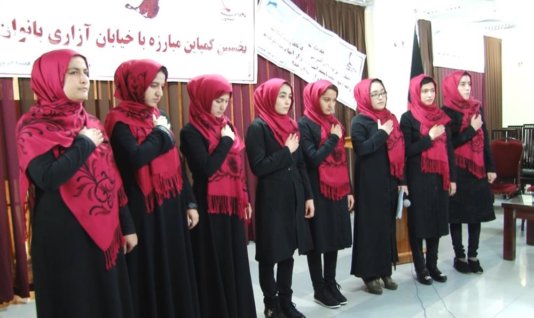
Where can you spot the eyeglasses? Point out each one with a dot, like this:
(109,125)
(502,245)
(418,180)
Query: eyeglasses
(379,94)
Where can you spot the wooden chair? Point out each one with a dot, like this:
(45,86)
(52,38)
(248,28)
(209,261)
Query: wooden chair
(508,132)
(507,154)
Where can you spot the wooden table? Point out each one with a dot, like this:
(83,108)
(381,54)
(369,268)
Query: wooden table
(522,207)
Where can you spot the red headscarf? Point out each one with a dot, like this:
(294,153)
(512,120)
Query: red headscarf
(162,178)
(395,142)
(93,194)
(227,192)
(333,170)
(265,97)
(470,155)
(435,159)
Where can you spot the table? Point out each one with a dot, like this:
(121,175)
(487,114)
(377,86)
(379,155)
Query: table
(522,207)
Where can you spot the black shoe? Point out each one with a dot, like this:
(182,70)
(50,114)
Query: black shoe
(474,266)
(335,290)
(373,286)
(290,311)
(273,311)
(323,297)
(389,283)
(437,275)
(461,265)
(424,277)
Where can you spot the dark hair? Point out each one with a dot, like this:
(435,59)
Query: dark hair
(165,72)
(426,80)
(332,87)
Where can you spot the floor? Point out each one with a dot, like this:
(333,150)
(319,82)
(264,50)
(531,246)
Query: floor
(506,289)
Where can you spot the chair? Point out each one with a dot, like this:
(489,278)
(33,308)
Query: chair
(508,132)
(527,166)
(507,154)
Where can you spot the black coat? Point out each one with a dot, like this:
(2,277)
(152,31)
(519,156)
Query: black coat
(330,226)
(162,272)
(428,215)
(375,245)
(473,202)
(219,241)
(69,270)
(283,186)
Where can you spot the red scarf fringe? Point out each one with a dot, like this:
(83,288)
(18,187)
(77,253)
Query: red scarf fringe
(439,167)
(471,166)
(226,205)
(164,188)
(335,192)
(112,251)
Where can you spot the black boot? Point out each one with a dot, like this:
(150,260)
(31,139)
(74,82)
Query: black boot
(334,289)
(273,309)
(289,309)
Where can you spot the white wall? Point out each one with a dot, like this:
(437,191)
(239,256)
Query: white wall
(518,80)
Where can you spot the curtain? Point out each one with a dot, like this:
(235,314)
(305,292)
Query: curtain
(425,43)
(13,255)
(493,86)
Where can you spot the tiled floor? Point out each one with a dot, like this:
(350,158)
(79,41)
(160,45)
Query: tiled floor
(506,289)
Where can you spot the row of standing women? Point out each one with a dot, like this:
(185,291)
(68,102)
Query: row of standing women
(118,231)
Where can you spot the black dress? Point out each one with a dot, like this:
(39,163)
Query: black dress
(375,246)
(219,241)
(283,186)
(473,201)
(161,268)
(330,225)
(428,215)
(69,270)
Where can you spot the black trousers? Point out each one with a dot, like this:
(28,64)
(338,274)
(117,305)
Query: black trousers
(419,262)
(473,231)
(276,288)
(318,277)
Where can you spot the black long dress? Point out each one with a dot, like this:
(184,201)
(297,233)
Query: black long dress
(428,214)
(219,241)
(473,201)
(375,246)
(161,268)
(330,225)
(283,186)
(69,270)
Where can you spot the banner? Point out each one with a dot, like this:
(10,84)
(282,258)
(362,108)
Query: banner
(292,40)
(188,37)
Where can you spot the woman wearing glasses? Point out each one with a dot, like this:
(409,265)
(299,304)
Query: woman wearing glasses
(378,178)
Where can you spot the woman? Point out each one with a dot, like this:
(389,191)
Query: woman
(214,151)
(322,141)
(379,176)
(79,207)
(160,198)
(473,202)
(284,198)
(431,175)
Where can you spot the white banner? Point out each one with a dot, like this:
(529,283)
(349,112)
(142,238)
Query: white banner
(292,40)
(188,37)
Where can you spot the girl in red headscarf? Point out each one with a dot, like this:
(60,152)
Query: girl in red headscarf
(284,199)
(214,152)
(322,141)
(161,270)
(473,202)
(431,175)
(378,177)
(79,211)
